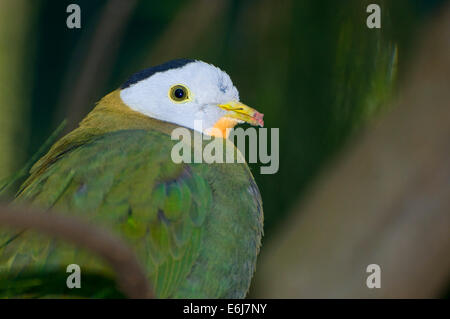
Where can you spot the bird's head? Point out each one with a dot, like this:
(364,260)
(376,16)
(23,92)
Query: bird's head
(184,91)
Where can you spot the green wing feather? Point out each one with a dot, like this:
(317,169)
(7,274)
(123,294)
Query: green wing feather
(125,181)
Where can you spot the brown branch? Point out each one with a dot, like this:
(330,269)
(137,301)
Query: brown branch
(386,201)
(130,276)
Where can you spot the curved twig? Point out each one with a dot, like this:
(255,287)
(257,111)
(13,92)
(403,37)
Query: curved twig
(130,276)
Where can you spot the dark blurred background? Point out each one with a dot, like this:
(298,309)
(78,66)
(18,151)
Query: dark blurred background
(312,67)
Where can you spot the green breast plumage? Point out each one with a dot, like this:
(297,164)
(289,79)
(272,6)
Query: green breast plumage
(196,228)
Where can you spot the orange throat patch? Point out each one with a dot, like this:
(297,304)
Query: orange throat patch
(220,128)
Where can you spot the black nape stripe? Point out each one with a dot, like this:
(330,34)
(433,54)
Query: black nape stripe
(173,64)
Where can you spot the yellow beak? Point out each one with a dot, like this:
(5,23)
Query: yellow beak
(242,112)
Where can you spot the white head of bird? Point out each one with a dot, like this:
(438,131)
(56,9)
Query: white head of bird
(185,91)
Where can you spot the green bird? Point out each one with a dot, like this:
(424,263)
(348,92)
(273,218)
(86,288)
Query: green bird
(195,227)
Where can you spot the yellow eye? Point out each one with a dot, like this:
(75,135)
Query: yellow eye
(179,93)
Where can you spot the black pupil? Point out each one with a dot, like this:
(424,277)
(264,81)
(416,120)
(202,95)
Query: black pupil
(179,93)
